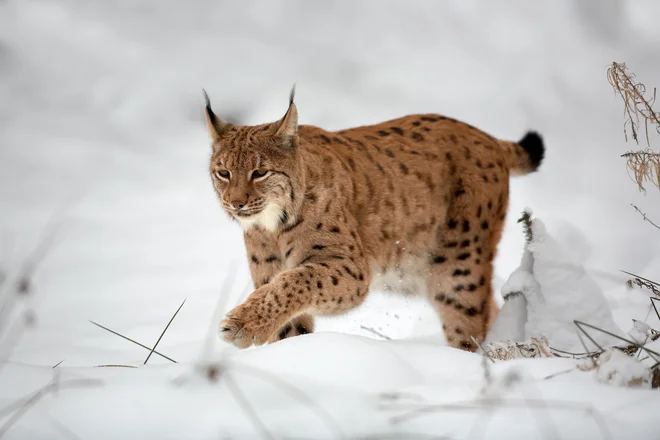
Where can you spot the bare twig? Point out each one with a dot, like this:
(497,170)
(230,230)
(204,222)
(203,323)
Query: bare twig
(44,245)
(64,430)
(133,341)
(9,296)
(375,332)
(58,364)
(646,219)
(508,403)
(296,394)
(223,298)
(653,301)
(247,407)
(399,435)
(558,373)
(570,353)
(650,352)
(21,406)
(163,333)
(486,354)
(578,324)
(114,366)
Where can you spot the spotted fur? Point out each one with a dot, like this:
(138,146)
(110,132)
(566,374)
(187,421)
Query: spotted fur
(328,214)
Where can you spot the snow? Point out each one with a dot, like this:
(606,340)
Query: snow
(102,129)
(547,294)
(616,368)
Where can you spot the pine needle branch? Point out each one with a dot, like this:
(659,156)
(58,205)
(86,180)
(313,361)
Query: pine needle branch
(526,220)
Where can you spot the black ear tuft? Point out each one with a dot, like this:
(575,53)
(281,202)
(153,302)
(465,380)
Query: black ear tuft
(292,94)
(215,125)
(207,100)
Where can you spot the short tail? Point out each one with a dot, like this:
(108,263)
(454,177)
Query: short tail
(526,155)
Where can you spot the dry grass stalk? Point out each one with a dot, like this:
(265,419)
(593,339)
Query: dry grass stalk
(133,341)
(636,105)
(644,167)
(163,333)
(503,350)
(645,283)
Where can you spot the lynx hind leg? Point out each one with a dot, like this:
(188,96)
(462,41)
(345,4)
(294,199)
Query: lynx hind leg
(460,295)
(460,280)
(300,325)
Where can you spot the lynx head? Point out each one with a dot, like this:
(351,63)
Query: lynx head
(256,170)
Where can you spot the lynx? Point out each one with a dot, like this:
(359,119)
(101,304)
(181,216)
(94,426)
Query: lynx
(415,204)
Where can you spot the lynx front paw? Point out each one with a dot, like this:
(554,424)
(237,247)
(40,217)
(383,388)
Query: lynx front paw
(244,327)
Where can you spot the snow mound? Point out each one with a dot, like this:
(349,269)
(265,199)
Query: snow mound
(619,369)
(547,293)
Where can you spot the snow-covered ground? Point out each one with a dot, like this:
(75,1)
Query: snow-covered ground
(101,131)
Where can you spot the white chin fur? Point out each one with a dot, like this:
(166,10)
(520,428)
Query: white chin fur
(268,219)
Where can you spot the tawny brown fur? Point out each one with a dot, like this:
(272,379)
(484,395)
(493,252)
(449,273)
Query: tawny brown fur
(423,196)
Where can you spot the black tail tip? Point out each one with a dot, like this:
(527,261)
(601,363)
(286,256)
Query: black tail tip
(532,142)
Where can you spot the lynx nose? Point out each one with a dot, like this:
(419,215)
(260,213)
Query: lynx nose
(237,204)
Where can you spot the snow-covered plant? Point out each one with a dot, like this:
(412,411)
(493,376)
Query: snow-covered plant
(547,293)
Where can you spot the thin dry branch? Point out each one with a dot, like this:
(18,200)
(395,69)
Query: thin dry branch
(163,333)
(375,332)
(249,410)
(646,219)
(21,406)
(636,106)
(10,296)
(653,354)
(486,404)
(295,393)
(133,341)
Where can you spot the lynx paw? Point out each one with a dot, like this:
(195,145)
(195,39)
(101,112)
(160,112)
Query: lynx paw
(243,327)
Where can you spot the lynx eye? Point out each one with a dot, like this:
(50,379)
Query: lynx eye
(259,174)
(222,174)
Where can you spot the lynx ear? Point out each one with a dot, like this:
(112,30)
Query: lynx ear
(288,128)
(215,125)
